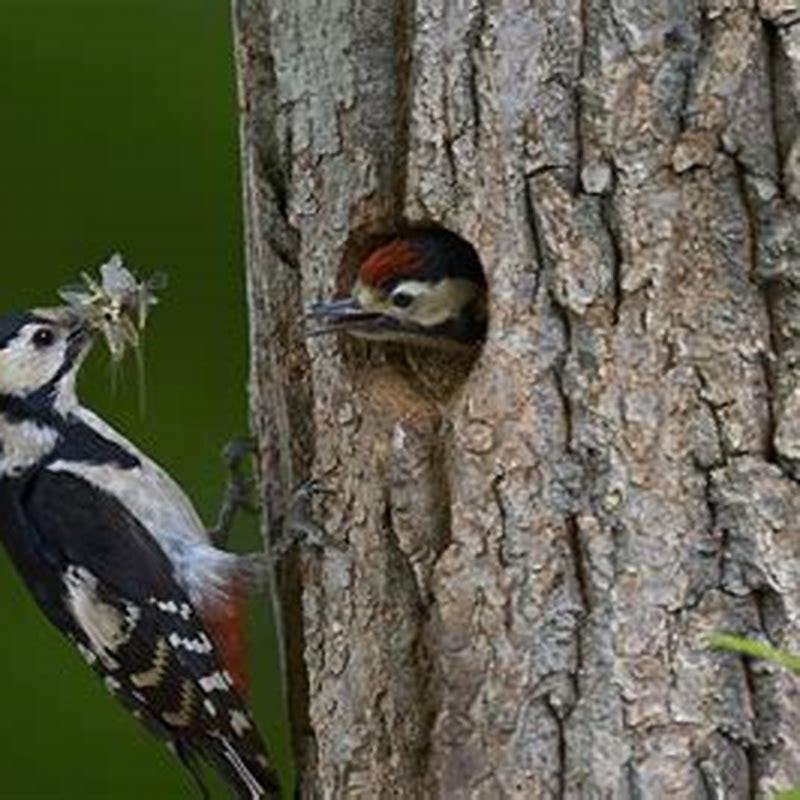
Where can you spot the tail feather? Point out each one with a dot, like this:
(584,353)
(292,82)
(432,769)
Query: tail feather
(250,778)
(189,761)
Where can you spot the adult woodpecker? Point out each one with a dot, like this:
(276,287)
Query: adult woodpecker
(118,559)
(424,288)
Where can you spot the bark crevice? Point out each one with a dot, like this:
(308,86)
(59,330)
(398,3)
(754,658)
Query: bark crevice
(543,537)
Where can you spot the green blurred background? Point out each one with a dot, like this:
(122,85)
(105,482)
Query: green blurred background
(118,131)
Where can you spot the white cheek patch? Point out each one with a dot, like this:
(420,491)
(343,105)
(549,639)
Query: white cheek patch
(437,303)
(24,369)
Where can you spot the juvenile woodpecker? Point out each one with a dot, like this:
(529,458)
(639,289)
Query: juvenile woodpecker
(425,288)
(118,559)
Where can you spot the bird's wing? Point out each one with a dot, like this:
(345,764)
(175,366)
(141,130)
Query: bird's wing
(139,628)
(147,482)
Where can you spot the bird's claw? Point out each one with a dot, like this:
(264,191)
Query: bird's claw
(236,450)
(298,526)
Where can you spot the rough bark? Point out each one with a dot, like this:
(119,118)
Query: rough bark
(539,541)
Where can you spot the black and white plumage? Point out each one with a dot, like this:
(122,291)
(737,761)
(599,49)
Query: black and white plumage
(117,558)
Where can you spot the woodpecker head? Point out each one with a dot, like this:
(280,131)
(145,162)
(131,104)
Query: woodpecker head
(41,352)
(425,288)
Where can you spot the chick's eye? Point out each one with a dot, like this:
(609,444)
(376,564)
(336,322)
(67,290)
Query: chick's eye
(402,299)
(43,337)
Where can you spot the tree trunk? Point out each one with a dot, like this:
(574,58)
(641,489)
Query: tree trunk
(537,541)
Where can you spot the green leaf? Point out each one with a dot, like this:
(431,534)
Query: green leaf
(755,649)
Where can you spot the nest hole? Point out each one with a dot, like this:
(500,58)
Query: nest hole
(436,365)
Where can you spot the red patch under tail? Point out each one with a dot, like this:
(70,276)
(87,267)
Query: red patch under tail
(226,623)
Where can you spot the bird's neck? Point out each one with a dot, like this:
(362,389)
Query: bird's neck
(24,443)
(31,427)
(47,404)
(32,437)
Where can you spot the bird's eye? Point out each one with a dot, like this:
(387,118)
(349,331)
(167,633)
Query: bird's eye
(43,337)
(402,299)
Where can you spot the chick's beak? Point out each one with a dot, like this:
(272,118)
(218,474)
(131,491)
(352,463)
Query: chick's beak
(343,314)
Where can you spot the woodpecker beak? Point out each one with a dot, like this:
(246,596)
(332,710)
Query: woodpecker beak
(348,315)
(344,314)
(78,329)
(79,335)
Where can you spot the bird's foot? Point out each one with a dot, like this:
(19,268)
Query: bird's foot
(255,570)
(298,526)
(239,494)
